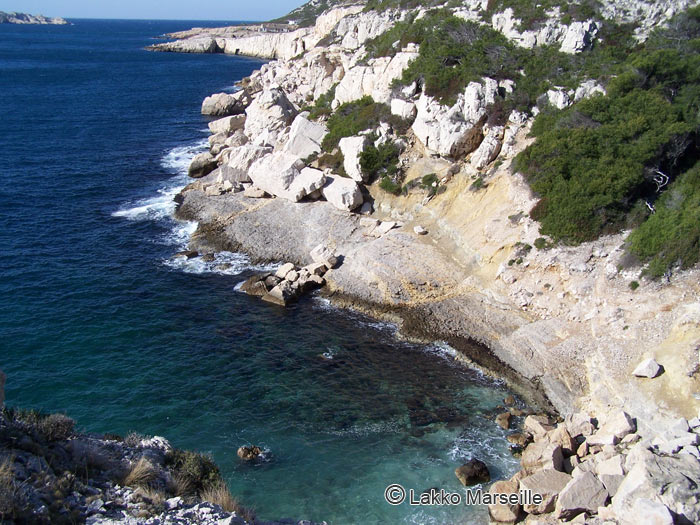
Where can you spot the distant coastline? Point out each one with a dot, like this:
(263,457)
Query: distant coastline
(23,18)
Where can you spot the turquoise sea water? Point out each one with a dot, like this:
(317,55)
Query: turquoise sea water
(98,321)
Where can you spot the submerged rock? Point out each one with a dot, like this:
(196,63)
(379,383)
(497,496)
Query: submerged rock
(473,472)
(249,453)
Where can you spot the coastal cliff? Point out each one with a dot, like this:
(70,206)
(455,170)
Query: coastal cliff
(419,181)
(563,317)
(22,18)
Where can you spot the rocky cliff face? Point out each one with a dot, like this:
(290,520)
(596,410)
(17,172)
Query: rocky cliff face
(455,256)
(22,18)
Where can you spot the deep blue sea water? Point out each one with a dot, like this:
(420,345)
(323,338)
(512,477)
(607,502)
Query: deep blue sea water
(99,322)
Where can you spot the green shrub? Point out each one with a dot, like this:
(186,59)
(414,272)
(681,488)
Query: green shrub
(593,164)
(477,184)
(634,285)
(542,244)
(322,107)
(588,176)
(671,236)
(360,115)
(454,52)
(333,160)
(379,161)
(390,186)
(195,470)
(533,14)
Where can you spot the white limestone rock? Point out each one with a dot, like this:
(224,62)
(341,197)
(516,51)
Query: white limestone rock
(648,368)
(578,37)
(617,423)
(227,125)
(558,98)
(307,182)
(275,174)
(444,130)
(489,148)
(374,79)
(325,256)
(668,480)
(225,104)
(403,109)
(305,137)
(582,494)
(352,148)
(342,193)
(269,113)
(548,483)
(240,160)
(588,89)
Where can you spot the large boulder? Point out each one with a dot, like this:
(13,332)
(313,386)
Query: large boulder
(537,425)
(403,109)
(455,131)
(548,483)
(647,512)
(670,480)
(241,159)
(352,148)
(342,193)
(269,113)
(374,79)
(504,513)
(473,472)
(584,493)
(578,37)
(323,257)
(305,137)
(223,104)
(202,165)
(249,453)
(616,423)
(489,148)
(307,182)
(227,125)
(542,455)
(280,174)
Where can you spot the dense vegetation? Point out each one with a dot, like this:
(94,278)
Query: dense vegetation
(454,52)
(353,117)
(607,162)
(534,14)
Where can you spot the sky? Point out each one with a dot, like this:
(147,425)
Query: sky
(156,9)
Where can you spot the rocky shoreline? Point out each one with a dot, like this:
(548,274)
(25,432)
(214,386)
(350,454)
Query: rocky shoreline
(51,473)
(455,256)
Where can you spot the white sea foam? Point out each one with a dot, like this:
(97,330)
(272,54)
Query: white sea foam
(178,159)
(224,263)
(162,205)
(442,349)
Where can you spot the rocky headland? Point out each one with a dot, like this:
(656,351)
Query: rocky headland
(23,18)
(441,239)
